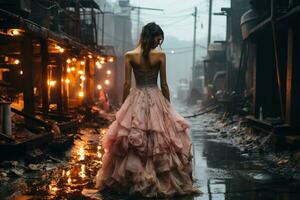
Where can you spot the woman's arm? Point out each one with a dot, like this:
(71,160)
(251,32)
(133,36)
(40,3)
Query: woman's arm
(163,77)
(127,82)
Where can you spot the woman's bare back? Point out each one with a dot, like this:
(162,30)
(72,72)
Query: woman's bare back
(145,72)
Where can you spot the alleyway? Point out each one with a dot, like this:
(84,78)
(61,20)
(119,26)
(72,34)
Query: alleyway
(221,171)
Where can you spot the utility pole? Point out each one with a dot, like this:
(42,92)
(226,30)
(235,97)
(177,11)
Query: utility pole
(138,23)
(209,22)
(194,42)
(139,16)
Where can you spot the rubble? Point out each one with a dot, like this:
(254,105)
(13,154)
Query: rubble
(234,129)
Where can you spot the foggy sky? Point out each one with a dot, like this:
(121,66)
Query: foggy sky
(178,25)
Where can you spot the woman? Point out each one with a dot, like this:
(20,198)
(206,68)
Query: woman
(147,147)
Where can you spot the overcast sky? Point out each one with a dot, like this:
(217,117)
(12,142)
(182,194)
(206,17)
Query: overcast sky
(178,24)
(176,19)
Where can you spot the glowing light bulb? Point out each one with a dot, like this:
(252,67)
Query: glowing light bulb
(111,59)
(108,72)
(99,66)
(17,62)
(99,87)
(81,94)
(15,32)
(51,83)
(82,77)
(106,82)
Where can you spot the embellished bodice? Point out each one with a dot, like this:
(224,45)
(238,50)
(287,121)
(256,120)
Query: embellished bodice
(145,77)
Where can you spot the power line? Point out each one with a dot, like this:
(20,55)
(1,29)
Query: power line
(175,22)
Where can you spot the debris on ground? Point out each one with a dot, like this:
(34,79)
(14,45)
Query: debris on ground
(234,129)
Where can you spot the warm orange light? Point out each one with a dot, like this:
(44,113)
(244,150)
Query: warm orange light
(61,50)
(51,83)
(108,72)
(15,32)
(99,66)
(67,81)
(106,82)
(17,62)
(102,61)
(82,62)
(74,59)
(69,180)
(90,56)
(21,72)
(57,47)
(81,94)
(82,171)
(68,70)
(68,60)
(99,87)
(111,59)
(99,155)
(53,188)
(68,173)
(80,72)
(82,77)
(73,69)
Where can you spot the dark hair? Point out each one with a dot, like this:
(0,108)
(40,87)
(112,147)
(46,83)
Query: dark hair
(149,32)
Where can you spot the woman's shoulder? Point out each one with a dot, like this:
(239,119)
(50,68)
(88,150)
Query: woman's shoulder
(132,52)
(128,53)
(155,53)
(158,53)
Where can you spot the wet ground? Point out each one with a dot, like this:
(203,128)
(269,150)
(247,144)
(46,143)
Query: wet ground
(222,171)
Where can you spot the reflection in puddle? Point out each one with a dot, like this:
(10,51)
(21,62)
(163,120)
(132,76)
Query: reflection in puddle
(221,171)
(53,188)
(82,171)
(81,154)
(78,172)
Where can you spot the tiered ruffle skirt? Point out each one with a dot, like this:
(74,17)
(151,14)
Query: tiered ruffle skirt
(147,148)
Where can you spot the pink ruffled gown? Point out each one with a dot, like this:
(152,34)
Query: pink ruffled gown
(148,149)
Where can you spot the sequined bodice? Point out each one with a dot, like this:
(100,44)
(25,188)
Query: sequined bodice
(145,77)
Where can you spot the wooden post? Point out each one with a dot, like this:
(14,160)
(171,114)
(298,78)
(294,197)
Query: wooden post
(289,77)
(293,79)
(59,83)
(89,71)
(45,56)
(255,102)
(28,93)
(276,56)
(65,88)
